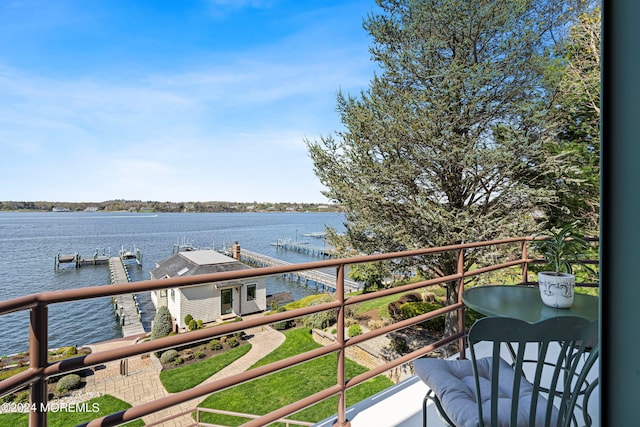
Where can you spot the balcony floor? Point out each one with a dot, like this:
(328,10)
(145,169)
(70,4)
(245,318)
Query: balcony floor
(401,405)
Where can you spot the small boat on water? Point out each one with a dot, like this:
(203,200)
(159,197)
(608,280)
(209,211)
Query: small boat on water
(130,257)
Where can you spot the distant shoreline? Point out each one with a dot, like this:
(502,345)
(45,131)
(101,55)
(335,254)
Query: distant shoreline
(164,207)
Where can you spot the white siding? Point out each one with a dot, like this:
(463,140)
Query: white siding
(159,298)
(201,302)
(173,304)
(260,302)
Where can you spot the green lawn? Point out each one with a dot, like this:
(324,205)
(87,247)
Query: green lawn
(103,405)
(268,393)
(186,377)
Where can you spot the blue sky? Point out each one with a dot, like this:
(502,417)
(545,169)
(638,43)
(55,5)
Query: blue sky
(173,100)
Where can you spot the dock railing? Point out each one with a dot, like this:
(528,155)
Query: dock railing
(40,369)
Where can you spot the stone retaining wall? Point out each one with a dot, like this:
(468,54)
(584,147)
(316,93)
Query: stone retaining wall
(360,355)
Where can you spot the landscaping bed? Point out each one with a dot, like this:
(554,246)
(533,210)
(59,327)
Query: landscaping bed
(186,355)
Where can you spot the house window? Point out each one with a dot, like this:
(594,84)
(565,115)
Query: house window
(173,295)
(163,293)
(251,292)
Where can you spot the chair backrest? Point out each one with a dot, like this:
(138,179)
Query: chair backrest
(555,356)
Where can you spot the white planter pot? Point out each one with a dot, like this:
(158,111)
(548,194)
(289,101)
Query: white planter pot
(556,290)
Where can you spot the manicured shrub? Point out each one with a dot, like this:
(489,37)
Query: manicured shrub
(233,342)
(394,306)
(168,356)
(68,382)
(187,319)
(215,345)
(193,325)
(413,309)
(199,354)
(162,323)
(355,330)
(199,323)
(177,361)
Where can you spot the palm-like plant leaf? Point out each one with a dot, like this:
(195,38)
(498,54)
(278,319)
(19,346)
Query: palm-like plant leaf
(561,248)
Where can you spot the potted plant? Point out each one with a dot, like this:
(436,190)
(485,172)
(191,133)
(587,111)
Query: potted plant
(560,250)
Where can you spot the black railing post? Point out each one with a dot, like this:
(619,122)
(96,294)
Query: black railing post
(38,343)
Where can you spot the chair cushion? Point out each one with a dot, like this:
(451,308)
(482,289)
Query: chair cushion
(453,383)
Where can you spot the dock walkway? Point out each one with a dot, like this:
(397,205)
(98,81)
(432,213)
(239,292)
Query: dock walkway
(328,281)
(302,247)
(125,306)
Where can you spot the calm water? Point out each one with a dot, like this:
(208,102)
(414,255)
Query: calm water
(30,241)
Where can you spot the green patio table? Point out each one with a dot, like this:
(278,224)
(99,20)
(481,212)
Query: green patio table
(524,302)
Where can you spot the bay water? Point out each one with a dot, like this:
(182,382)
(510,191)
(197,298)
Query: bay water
(30,241)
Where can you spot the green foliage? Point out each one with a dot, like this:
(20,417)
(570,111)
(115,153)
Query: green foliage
(413,309)
(6,373)
(306,301)
(215,345)
(233,342)
(444,145)
(68,382)
(284,387)
(561,248)
(104,405)
(355,330)
(185,377)
(574,124)
(321,319)
(394,307)
(18,397)
(371,274)
(193,325)
(162,323)
(285,324)
(187,319)
(168,356)
(70,351)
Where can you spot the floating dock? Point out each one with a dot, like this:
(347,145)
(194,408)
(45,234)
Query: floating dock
(125,306)
(319,278)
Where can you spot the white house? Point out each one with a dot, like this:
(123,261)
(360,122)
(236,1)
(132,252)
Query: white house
(208,302)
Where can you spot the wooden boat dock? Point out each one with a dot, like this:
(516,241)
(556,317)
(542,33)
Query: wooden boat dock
(302,247)
(125,306)
(316,277)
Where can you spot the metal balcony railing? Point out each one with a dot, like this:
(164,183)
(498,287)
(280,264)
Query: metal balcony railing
(40,369)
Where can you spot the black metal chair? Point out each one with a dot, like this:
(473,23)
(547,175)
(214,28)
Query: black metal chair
(546,384)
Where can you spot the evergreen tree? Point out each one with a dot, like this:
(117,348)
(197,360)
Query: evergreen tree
(162,323)
(444,145)
(574,126)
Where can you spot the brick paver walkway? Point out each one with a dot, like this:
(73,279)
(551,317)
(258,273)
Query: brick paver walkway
(142,384)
